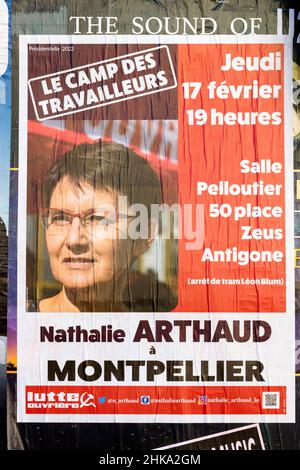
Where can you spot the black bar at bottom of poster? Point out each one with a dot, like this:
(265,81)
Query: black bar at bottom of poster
(140,459)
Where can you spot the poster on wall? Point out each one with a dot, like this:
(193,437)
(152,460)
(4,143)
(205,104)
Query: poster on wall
(155,212)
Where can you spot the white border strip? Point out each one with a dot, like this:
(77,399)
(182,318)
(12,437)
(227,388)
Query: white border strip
(155,39)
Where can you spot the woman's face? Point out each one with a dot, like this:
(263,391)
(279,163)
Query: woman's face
(80,254)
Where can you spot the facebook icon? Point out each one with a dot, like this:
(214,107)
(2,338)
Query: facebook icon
(145,400)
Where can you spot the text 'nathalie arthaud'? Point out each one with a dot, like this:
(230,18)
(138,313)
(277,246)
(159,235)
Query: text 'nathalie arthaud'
(162,331)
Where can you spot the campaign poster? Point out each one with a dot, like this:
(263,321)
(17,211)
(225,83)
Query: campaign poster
(155,212)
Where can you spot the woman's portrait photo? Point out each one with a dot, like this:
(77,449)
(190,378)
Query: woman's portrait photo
(98,235)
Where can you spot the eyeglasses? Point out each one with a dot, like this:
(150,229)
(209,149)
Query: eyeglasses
(58,221)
